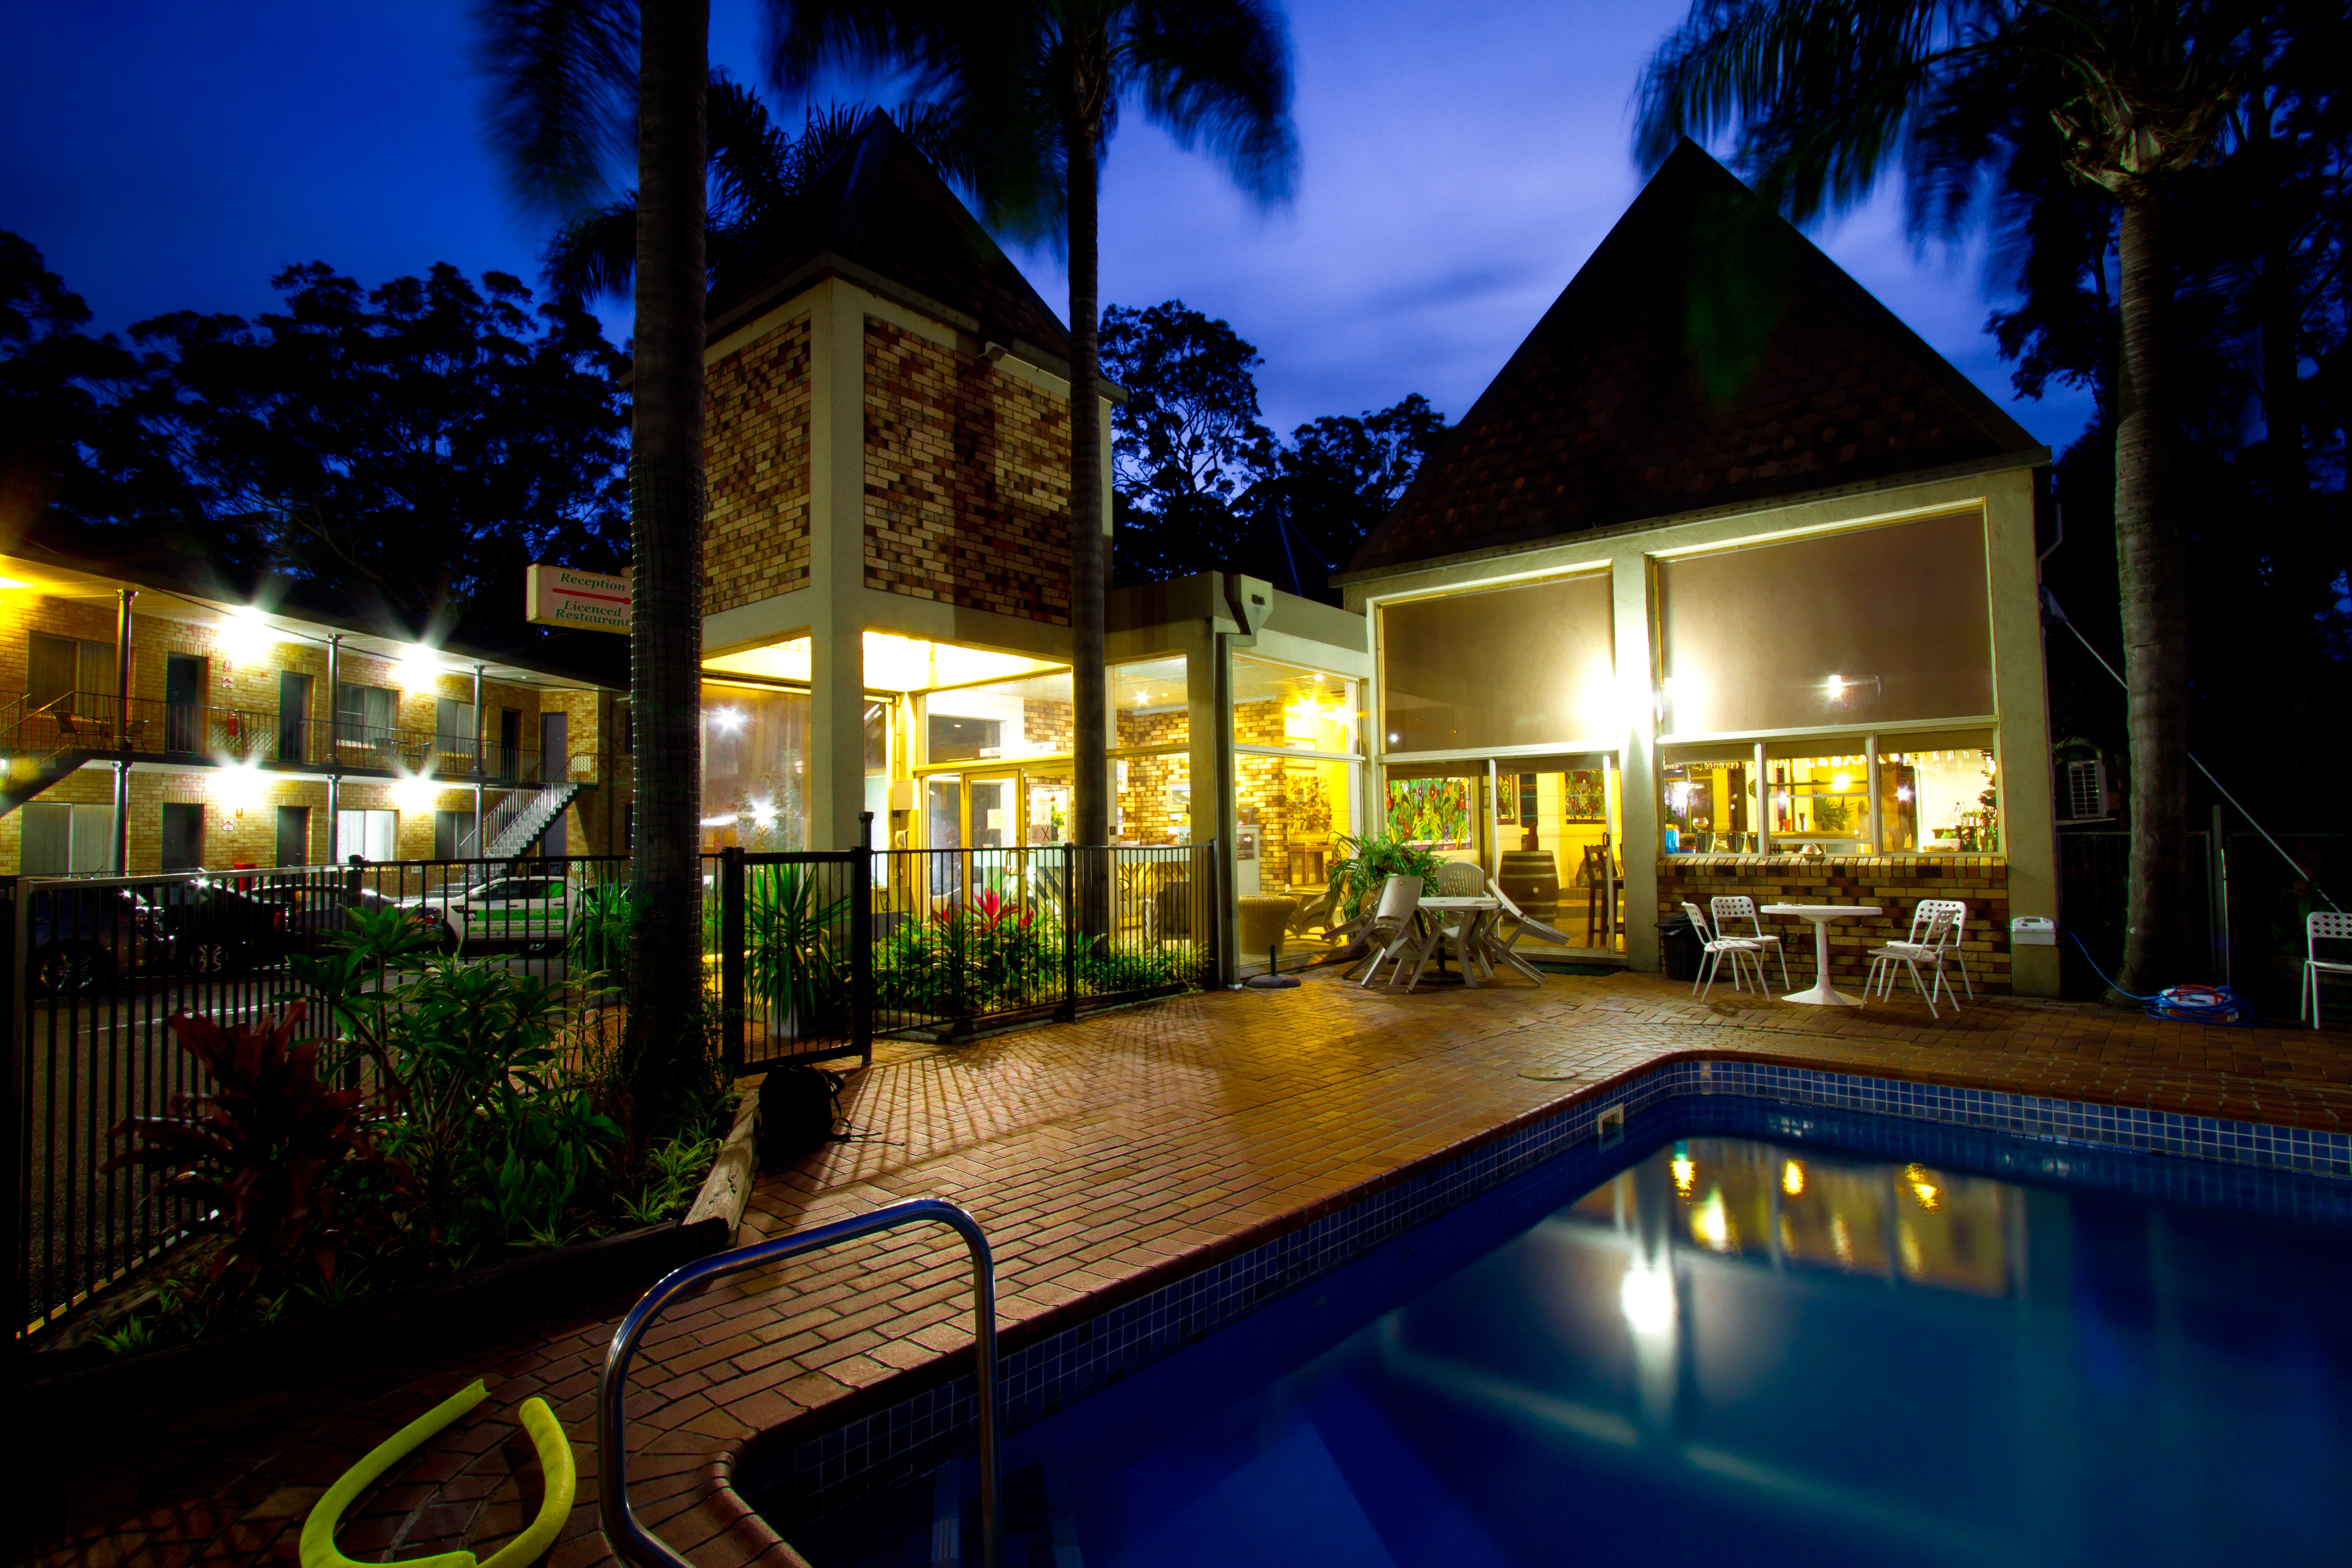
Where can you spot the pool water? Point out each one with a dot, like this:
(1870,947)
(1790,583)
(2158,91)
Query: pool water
(1747,1344)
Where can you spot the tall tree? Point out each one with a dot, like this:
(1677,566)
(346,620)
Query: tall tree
(570,79)
(417,445)
(1040,83)
(2124,96)
(1186,442)
(1337,477)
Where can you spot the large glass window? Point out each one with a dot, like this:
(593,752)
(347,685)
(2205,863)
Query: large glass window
(1296,709)
(1876,624)
(755,746)
(1154,802)
(1506,668)
(1149,704)
(1030,717)
(1937,794)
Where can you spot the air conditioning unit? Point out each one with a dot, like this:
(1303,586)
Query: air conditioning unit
(2086,791)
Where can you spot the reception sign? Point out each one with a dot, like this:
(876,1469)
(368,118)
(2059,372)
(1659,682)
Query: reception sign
(587,600)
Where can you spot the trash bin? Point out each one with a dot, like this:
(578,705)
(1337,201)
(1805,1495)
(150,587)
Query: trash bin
(1678,948)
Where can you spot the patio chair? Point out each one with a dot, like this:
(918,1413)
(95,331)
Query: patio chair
(2321,925)
(1929,949)
(1728,908)
(1715,949)
(1461,880)
(1523,924)
(1959,913)
(1395,925)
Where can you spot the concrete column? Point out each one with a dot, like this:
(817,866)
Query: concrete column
(122,855)
(2029,828)
(334,752)
(1208,719)
(1877,813)
(835,778)
(1637,680)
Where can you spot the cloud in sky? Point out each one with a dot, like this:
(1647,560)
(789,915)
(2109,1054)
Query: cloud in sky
(1459,163)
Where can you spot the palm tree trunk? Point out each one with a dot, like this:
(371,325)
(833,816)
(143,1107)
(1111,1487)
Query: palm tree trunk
(1091,807)
(665,503)
(2150,547)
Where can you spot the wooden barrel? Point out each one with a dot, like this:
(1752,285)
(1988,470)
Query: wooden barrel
(1530,878)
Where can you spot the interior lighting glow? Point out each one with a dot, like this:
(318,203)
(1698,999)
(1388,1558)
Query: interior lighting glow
(7,583)
(727,721)
(1647,1299)
(1792,1179)
(764,814)
(1903,792)
(1841,783)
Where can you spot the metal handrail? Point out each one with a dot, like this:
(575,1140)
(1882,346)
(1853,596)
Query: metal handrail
(620,1521)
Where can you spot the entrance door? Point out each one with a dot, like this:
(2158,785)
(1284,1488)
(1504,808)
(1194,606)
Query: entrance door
(293,836)
(510,742)
(944,830)
(293,719)
(184,836)
(183,703)
(554,746)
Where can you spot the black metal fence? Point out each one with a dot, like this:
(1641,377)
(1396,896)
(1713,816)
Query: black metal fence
(806,955)
(951,939)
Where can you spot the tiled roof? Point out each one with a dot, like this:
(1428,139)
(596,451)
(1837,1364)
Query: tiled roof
(1706,354)
(881,206)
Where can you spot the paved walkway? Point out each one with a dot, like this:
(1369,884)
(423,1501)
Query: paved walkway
(1097,1155)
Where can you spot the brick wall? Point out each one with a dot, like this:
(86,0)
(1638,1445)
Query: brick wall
(1894,883)
(755,540)
(967,481)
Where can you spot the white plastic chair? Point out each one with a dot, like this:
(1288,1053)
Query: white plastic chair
(1716,949)
(1729,907)
(1394,929)
(1959,913)
(1522,925)
(1460,879)
(1929,949)
(2321,925)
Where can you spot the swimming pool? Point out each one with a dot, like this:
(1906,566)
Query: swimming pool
(1783,1334)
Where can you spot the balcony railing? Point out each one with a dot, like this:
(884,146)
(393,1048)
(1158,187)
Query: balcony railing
(100,723)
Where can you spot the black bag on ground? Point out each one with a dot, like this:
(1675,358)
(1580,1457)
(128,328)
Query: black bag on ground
(798,1107)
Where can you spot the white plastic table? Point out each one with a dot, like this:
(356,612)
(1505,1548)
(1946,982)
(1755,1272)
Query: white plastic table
(1822,993)
(1469,936)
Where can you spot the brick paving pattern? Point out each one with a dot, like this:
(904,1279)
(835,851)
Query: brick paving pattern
(1096,1155)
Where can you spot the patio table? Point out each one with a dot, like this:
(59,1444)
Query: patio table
(1470,938)
(1821,994)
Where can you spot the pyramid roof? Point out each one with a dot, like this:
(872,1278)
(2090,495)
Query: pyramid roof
(1706,355)
(881,208)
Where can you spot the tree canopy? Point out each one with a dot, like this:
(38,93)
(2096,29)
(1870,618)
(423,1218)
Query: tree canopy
(414,446)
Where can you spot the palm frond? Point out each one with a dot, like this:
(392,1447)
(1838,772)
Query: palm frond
(594,254)
(1218,75)
(562,99)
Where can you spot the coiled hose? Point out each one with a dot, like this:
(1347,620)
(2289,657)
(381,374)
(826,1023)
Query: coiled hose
(2184,1004)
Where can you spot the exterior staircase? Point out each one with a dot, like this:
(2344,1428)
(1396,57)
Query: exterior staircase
(27,770)
(519,822)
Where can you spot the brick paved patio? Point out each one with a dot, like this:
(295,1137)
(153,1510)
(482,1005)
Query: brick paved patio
(1099,1156)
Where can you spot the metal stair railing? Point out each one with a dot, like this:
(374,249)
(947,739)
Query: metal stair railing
(632,1540)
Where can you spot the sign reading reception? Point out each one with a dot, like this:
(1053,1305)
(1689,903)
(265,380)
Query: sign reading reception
(588,601)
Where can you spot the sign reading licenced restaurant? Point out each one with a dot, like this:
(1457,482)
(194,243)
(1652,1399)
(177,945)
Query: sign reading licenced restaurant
(587,600)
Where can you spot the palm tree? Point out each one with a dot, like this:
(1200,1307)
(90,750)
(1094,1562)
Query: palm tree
(758,170)
(2124,96)
(1039,83)
(570,78)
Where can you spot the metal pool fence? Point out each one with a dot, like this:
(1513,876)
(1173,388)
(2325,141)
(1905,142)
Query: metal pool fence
(808,955)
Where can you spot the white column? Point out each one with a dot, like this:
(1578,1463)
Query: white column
(1877,816)
(1637,676)
(835,769)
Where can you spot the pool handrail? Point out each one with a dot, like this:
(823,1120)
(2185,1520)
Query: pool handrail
(640,1546)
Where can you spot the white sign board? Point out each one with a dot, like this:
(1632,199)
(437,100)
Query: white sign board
(588,601)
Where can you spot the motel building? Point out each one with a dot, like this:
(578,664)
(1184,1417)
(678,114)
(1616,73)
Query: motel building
(156,718)
(1727,583)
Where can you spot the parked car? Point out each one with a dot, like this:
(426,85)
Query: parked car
(517,912)
(82,939)
(317,910)
(210,928)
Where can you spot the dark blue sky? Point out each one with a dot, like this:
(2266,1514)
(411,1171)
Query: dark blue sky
(1460,161)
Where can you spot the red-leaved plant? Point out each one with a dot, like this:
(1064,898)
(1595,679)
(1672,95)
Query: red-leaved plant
(259,1153)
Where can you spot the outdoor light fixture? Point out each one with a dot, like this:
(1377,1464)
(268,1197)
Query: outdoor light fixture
(417,670)
(415,792)
(237,786)
(244,637)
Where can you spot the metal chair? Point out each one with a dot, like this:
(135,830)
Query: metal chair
(1715,949)
(1729,907)
(1959,913)
(2321,925)
(1929,949)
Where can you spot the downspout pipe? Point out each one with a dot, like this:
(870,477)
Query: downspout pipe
(121,847)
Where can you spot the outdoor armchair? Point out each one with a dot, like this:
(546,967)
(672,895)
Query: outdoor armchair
(1394,927)
(1928,949)
(1522,924)
(1715,948)
(1731,907)
(2321,925)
